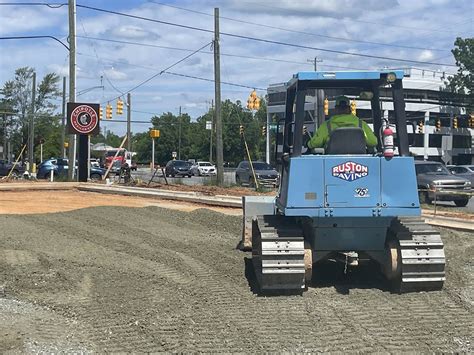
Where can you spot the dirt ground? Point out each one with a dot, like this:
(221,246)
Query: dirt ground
(27,202)
(129,278)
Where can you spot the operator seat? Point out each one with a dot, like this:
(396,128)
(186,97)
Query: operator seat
(346,140)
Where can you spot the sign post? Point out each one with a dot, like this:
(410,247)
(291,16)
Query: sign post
(83,120)
(154,133)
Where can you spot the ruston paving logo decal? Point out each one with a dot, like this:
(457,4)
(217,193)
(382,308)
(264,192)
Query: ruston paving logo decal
(350,171)
(84,119)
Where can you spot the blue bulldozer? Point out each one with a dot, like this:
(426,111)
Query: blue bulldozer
(343,203)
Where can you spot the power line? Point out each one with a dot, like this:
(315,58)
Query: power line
(222,54)
(177,74)
(163,71)
(35,37)
(300,32)
(212,80)
(261,39)
(99,60)
(363,21)
(50,5)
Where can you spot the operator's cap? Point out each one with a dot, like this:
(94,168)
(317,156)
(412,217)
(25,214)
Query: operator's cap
(342,101)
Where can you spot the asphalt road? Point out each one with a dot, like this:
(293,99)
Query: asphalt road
(229,179)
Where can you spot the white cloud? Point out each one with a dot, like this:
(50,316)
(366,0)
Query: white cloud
(134,32)
(425,55)
(113,74)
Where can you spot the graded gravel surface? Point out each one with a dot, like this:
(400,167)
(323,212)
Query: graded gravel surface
(148,279)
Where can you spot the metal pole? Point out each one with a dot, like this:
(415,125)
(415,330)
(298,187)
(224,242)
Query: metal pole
(129,122)
(41,152)
(210,144)
(63,121)
(153,154)
(179,134)
(426,136)
(88,156)
(217,85)
(72,82)
(267,143)
(31,137)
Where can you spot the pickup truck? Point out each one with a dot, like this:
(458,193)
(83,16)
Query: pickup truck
(435,181)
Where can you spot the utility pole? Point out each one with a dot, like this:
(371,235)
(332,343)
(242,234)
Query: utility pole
(318,98)
(179,134)
(31,136)
(129,123)
(63,122)
(5,151)
(217,86)
(72,82)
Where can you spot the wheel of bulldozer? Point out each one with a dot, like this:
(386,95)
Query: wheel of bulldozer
(393,264)
(308,263)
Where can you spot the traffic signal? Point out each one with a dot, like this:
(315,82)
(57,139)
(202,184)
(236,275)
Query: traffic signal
(471,120)
(108,111)
(241,129)
(119,107)
(353,107)
(101,113)
(305,130)
(455,122)
(256,103)
(421,126)
(66,144)
(253,102)
(326,106)
(264,130)
(438,124)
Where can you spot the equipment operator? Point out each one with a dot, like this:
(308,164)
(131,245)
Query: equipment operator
(342,118)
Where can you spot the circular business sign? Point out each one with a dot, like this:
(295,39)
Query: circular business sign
(84,119)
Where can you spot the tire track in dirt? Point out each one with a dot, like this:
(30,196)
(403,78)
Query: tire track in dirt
(108,285)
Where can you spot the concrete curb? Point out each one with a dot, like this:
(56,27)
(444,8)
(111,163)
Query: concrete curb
(218,200)
(38,186)
(448,222)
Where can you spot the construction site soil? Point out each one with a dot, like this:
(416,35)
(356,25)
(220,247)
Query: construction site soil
(150,279)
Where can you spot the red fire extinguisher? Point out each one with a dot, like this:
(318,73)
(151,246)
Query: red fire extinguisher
(387,140)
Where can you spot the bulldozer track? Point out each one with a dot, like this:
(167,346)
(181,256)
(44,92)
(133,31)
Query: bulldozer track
(278,253)
(116,287)
(421,254)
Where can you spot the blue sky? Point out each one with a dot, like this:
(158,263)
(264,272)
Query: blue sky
(391,25)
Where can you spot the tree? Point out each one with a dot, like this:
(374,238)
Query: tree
(463,81)
(17,99)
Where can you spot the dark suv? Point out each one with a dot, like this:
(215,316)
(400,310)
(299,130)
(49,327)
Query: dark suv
(436,181)
(178,168)
(266,175)
(5,168)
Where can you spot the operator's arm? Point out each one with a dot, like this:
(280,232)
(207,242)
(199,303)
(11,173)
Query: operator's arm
(320,138)
(370,137)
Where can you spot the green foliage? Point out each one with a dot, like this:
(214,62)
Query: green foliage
(16,99)
(195,139)
(463,81)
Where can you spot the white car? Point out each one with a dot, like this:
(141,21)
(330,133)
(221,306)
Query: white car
(204,168)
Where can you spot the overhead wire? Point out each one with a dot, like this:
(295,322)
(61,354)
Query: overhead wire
(298,32)
(179,74)
(262,40)
(100,62)
(164,70)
